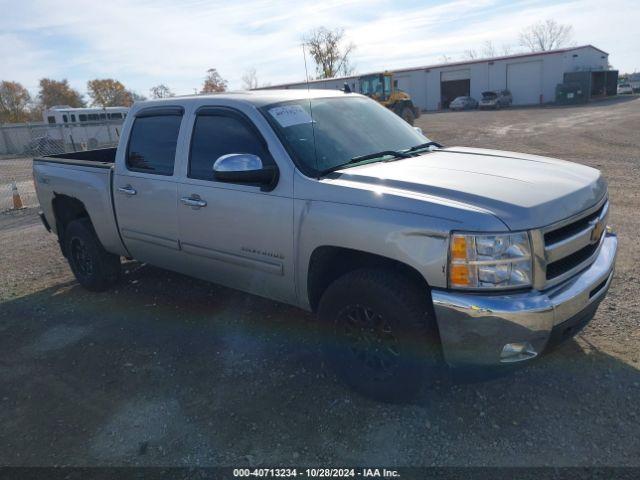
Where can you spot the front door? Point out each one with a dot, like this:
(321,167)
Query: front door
(234,234)
(145,189)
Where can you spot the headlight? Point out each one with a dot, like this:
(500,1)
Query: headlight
(490,261)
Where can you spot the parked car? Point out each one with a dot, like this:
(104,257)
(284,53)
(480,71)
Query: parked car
(409,252)
(625,89)
(496,100)
(463,103)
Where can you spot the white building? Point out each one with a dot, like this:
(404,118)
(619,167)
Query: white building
(531,77)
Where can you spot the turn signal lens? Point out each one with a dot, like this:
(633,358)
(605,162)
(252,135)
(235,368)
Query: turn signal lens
(459,276)
(458,248)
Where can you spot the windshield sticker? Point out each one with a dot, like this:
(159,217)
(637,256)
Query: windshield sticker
(289,115)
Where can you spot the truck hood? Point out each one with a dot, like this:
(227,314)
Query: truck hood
(524,191)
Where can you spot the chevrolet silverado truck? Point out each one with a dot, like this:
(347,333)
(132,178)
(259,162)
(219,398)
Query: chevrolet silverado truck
(412,254)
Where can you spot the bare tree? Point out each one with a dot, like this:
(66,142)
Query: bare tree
(250,79)
(488,50)
(135,96)
(213,82)
(506,49)
(470,54)
(547,35)
(330,52)
(161,91)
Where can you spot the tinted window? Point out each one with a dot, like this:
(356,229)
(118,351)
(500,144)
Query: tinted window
(93,117)
(65,119)
(83,118)
(115,115)
(217,135)
(152,144)
(73,117)
(51,119)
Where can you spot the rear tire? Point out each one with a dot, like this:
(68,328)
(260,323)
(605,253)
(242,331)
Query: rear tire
(380,334)
(94,267)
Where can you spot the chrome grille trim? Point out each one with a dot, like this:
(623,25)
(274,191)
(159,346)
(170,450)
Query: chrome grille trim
(569,245)
(545,254)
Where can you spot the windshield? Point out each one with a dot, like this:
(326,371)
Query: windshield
(342,128)
(489,94)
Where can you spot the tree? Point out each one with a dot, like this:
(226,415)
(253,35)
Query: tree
(330,52)
(161,91)
(488,49)
(14,102)
(547,35)
(470,54)
(135,96)
(107,92)
(250,79)
(213,82)
(54,92)
(506,49)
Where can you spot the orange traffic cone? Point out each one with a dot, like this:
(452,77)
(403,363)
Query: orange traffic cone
(17,201)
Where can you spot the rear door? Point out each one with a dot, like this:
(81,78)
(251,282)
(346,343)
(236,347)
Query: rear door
(145,188)
(241,236)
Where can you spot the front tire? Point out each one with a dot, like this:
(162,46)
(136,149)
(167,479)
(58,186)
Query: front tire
(380,334)
(94,267)
(408,115)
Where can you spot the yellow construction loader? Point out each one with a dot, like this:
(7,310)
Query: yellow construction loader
(384,89)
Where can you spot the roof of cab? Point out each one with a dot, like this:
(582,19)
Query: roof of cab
(258,98)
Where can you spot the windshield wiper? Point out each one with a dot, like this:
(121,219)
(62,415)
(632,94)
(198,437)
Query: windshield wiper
(423,145)
(369,156)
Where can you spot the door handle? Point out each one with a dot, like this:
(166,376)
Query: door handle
(193,201)
(127,190)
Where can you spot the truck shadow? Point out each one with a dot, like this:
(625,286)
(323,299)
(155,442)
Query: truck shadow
(169,370)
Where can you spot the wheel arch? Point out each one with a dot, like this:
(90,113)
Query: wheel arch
(327,263)
(66,209)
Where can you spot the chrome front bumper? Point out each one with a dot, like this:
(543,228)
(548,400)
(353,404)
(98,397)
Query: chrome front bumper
(474,328)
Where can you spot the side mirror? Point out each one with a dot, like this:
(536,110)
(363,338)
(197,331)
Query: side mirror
(245,168)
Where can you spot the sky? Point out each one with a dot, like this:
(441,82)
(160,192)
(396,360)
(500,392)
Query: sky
(144,43)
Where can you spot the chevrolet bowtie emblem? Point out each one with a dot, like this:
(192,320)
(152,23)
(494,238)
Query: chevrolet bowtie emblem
(598,228)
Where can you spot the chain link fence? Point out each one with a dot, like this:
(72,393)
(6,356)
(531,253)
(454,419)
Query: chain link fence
(19,143)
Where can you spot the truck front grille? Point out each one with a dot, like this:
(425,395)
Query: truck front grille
(557,268)
(572,245)
(572,228)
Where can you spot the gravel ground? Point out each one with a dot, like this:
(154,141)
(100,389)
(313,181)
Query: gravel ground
(166,370)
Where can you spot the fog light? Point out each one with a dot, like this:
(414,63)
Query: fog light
(517,352)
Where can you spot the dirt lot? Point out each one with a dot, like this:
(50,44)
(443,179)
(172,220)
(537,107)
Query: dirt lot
(166,370)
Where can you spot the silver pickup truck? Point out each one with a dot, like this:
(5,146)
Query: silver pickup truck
(413,255)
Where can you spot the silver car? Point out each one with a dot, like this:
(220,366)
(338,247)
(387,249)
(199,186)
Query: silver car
(496,99)
(463,103)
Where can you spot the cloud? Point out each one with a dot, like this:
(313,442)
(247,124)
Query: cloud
(144,43)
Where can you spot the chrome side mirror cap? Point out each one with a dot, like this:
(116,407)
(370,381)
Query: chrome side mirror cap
(237,162)
(245,168)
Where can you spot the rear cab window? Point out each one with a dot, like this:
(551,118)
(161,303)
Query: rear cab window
(153,141)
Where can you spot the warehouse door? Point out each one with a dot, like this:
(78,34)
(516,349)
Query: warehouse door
(454,83)
(525,82)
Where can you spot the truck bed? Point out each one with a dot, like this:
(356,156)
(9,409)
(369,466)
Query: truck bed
(100,158)
(86,177)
